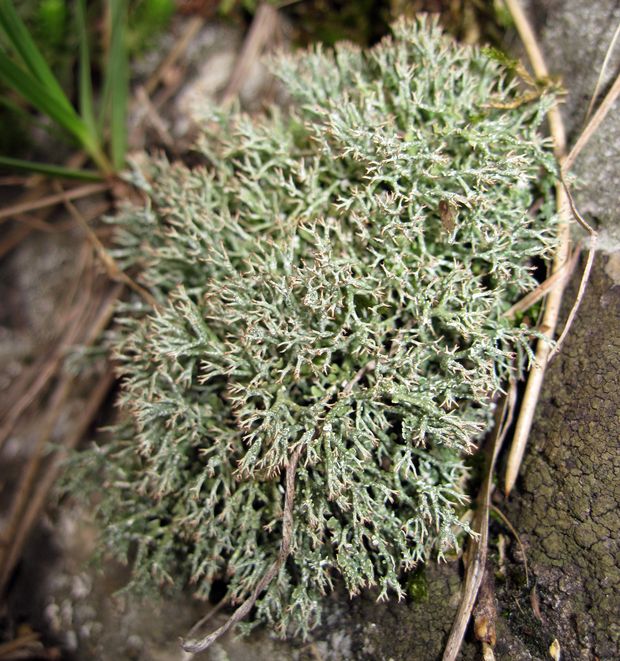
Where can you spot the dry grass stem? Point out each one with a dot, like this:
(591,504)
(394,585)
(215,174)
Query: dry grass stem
(514,533)
(554,299)
(593,124)
(149,111)
(287,535)
(193,28)
(264,26)
(34,381)
(13,239)
(50,200)
(566,207)
(113,270)
(559,277)
(38,497)
(485,615)
(92,314)
(476,555)
(84,309)
(599,82)
(8,648)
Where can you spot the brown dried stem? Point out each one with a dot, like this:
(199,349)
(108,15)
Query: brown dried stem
(92,313)
(476,555)
(285,548)
(262,29)
(593,124)
(114,271)
(554,299)
(50,200)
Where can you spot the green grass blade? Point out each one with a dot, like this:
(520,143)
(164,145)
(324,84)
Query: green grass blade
(117,82)
(17,35)
(36,94)
(45,168)
(85,83)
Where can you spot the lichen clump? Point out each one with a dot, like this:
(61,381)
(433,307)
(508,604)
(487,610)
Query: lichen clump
(332,280)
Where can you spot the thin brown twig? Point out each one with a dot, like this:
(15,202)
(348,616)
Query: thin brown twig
(599,82)
(559,277)
(586,271)
(18,643)
(593,124)
(149,111)
(35,380)
(485,615)
(13,239)
(554,299)
(476,554)
(38,498)
(114,271)
(13,180)
(85,308)
(92,319)
(193,28)
(285,548)
(50,200)
(510,527)
(263,26)
(202,621)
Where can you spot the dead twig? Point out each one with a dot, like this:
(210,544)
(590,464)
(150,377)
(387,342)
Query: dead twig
(149,111)
(287,535)
(476,554)
(559,277)
(29,389)
(50,200)
(554,299)
(485,615)
(114,271)
(18,643)
(593,124)
(586,271)
(193,28)
(263,27)
(202,621)
(14,238)
(38,497)
(514,533)
(601,75)
(93,315)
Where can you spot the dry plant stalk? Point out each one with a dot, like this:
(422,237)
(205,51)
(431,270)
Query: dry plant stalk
(566,209)
(475,557)
(50,200)
(264,26)
(89,316)
(287,535)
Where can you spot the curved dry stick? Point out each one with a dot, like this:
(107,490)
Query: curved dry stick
(593,124)
(554,300)
(476,556)
(196,646)
(599,82)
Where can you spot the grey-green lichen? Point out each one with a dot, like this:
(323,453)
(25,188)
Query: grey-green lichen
(333,279)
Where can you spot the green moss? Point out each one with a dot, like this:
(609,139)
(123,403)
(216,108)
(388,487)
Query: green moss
(417,585)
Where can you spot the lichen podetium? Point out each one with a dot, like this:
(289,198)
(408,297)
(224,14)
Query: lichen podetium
(334,278)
